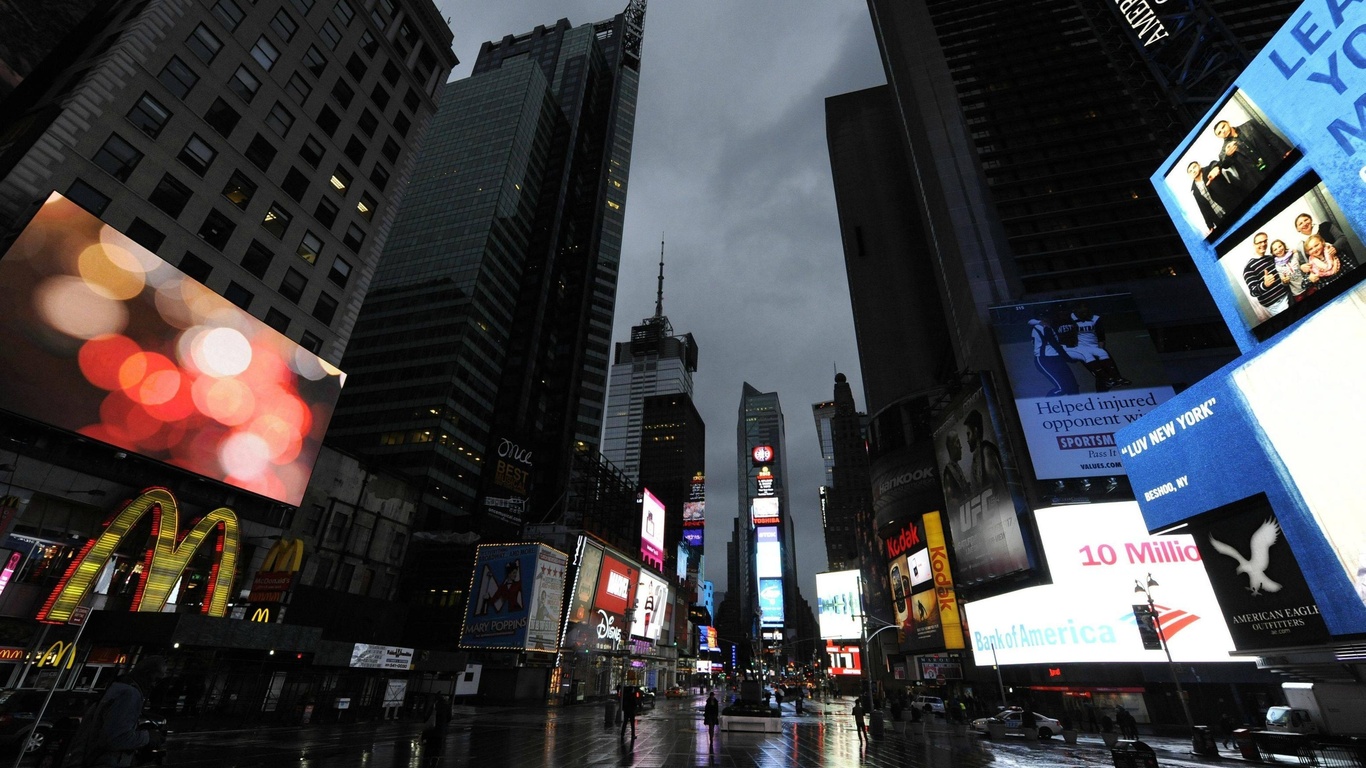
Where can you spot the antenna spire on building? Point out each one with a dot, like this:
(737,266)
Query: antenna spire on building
(659,296)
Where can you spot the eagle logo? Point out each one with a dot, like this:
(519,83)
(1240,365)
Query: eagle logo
(1258,557)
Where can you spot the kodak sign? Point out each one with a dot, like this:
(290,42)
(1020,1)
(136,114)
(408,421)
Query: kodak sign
(945,595)
(168,553)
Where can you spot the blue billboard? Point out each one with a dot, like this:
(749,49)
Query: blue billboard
(770,602)
(500,596)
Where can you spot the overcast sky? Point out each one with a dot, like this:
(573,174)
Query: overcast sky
(730,165)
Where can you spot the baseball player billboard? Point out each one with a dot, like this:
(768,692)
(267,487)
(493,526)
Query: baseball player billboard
(1079,369)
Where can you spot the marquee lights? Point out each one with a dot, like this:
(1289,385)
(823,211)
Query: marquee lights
(165,560)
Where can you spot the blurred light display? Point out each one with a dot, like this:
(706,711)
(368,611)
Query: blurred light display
(105,339)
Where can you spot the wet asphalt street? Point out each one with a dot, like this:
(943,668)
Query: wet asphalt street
(670,735)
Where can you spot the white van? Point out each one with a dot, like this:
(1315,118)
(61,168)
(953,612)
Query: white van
(936,704)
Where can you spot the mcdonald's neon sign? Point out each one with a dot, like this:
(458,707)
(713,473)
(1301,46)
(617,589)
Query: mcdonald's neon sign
(54,653)
(261,615)
(166,558)
(284,556)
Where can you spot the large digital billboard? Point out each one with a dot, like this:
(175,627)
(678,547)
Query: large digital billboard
(652,530)
(652,595)
(770,602)
(1086,614)
(604,591)
(1079,369)
(695,511)
(765,510)
(838,605)
(844,659)
(515,594)
(768,553)
(982,510)
(935,610)
(105,339)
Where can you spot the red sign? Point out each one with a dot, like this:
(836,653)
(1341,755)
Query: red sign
(616,593)
(844,659)
(762,454)
(270,586)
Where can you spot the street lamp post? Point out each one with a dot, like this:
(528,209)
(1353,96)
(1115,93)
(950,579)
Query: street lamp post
(1146,589)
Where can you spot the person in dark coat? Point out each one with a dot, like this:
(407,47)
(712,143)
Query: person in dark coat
(434,732)
(109,734)
(858,719)
(711,715)
(630,705)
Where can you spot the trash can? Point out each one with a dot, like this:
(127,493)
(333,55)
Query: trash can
(1203,742)
(609,713)
(1130,753)
(1247,745)
(875,726)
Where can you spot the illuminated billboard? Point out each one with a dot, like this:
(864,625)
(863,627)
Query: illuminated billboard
(982,511)
(515,594)
(652,530)
(652,596)
(765,510)
(770,602)
(1079,369)
(152,362)
(844,659)
(1086,614)
(605,588)
(904,542)
(695,510)
(838,605)
(768,555)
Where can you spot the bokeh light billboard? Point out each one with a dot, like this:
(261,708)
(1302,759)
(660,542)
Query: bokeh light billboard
(838,606)
(105,339)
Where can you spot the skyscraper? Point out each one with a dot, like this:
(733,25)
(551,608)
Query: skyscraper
(486,337)
(261,148)
(849,508)
(653,362)
(673,453)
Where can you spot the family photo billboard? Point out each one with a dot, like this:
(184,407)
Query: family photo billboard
(1079,370)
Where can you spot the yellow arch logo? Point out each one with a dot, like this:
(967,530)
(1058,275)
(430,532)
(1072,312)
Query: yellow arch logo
(55,652)
(166,558)
(284,556)
(261,615)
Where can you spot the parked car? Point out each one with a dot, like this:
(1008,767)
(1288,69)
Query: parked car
(936,704)
(1044,726)
(19,726)
(675,693)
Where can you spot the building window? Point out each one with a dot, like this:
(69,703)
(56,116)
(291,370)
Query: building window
(310,248)
(390,150)
(239,296)
(326,212)
(341,180)
(284,25)
(265,53)
(229,13)
(203,44)
(315,62)
(257,259)
(354,237)
(280,119)
(378,19)
(367,122)
(295,184)
(310,342)
(239,190)
(303,6)
(343,11)
(368,43)
(222,118)
(402,124)
(195,267)
(292,287)
(298,88)
(276,220)
(216,229)
(145,235)
(87,197)
(170,195)
(325,309)
(343,93)
(197,155)
(406,38)
(411,101)
(178,77)
(330,34)
(328,120)
(379,96)
(311,151)
(366,206)
(355,150)
(391,72)
(380,176)
(117,157)
(277,320)
(356,66)
(244,84)
(148,115)
(261,151)
(340,272)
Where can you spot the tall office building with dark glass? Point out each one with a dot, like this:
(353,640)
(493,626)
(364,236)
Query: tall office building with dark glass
(488,328)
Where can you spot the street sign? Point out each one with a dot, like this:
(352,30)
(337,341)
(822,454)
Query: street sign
(78,615)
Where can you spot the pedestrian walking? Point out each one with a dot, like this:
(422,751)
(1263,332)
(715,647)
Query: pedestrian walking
(858,719)
(434,732)
(1226,727)
(109,733)
(801,699)
(711,715)
(630,696)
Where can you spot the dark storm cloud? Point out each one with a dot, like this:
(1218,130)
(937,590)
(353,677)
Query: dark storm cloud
(730,164)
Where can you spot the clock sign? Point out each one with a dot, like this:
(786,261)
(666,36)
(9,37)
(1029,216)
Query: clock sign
(763,454)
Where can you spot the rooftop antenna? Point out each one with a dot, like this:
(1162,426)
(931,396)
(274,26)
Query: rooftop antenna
(659,296)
